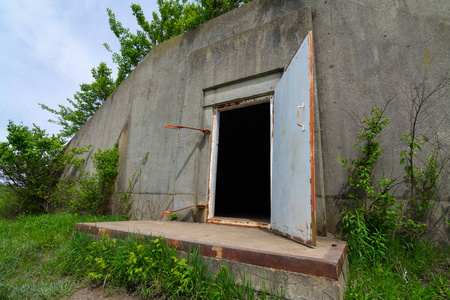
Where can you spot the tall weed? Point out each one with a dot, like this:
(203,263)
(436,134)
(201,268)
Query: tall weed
(415,270)
(388,258)
(151,268)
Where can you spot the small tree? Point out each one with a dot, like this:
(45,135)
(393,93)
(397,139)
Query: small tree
(422,176)
(30,165)
(175,17)
(379,213)
(85,103)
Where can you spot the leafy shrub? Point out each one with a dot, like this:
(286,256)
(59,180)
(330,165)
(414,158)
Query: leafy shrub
(31,163)
(91,193)
(377,213)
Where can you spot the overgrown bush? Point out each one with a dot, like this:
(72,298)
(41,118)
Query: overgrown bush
(378,211)
(31,163)
(31,166)
(91,193)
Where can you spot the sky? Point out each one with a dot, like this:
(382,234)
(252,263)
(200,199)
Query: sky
(48,48)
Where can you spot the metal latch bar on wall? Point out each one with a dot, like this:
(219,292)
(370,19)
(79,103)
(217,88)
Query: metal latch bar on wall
(205,131)
(172,211)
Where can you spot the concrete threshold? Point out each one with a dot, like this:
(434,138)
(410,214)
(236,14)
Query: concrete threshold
(247,245)
(250,246)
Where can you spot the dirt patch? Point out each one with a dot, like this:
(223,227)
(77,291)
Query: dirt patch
(93,293)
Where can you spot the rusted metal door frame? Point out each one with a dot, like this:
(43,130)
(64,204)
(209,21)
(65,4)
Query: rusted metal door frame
(210,218)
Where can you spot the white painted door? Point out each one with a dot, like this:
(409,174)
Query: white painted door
(292,207)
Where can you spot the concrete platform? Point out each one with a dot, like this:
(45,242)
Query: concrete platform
(252,247)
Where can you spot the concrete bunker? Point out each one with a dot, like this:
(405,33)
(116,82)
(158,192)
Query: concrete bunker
(363,53)
(361,56)
(205,80)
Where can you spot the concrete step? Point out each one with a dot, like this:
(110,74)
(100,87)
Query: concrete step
(304,272)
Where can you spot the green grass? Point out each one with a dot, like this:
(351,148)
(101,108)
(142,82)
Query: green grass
(41,257)
(149,267)
(29,266)
(416,270)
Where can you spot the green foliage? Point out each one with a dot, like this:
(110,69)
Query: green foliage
(174,18)
(377,213)
(133,48)
(362,167)
(422,175)
(107,165)
(85,103)
(172,217)
(150,268)
(9,203)
(421,182)
(214,8)
(31,163)
(364,239)
(415,270)
(383,243)
(91,193)
(29,264)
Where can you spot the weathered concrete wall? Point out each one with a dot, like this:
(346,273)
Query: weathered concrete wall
(365,53)
(168,87)
(290,285)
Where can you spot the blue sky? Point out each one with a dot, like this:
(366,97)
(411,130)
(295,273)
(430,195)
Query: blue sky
(48,48)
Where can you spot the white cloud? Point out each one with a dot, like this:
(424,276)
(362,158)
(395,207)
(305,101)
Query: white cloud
(48,48)
(46,32)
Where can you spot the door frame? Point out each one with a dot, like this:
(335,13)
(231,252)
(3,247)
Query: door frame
(297,83)
(210,218)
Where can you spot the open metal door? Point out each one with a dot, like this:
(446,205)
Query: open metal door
(293,207)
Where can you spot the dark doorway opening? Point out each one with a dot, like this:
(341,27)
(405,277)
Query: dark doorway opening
(243,166)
